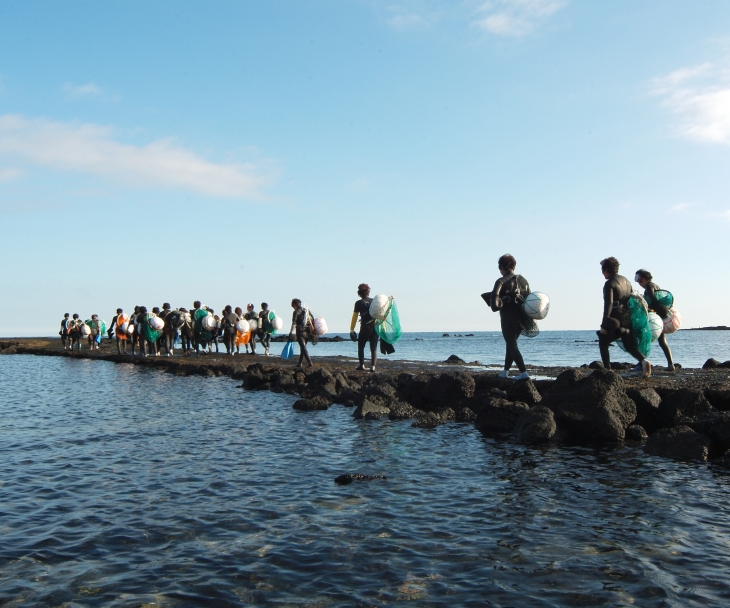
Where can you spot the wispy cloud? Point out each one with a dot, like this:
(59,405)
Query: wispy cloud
(681,207)
(515,18)
(699,99)
(83,90)
(93,149)
(9,173)
(410,14)
(402,21)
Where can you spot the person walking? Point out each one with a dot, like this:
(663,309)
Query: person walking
(367,328)
(302,328)
(65,325)
(616,322)
(645,279)
(507,297)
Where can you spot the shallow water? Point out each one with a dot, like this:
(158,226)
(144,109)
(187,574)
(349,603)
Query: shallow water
(550,348)
(125,486)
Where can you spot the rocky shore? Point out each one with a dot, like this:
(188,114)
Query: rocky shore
(685,415)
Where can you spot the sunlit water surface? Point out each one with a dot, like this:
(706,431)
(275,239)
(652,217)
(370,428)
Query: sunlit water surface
(125,486)
(549,348)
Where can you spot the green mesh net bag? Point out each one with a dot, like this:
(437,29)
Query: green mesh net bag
(388,327)
(664,297)
(203,333)
(529,327)
(640,328)
(268,323)
(146,330)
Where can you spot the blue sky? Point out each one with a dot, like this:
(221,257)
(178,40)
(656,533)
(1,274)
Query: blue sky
(238,152)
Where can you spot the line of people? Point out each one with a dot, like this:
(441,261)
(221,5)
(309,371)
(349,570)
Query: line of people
(201,329)
(156,331)
(511,289)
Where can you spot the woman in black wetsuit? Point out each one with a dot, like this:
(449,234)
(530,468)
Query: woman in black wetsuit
(367,328)
(507,297)
(617,316)
(301,330)
(644,278)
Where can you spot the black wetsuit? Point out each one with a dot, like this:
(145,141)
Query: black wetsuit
(252,316)
(507,296)
(367,332)
(617,318)
(74,333)
(300,319)
(265,328)
(228,324)
(64,331)
(663,312)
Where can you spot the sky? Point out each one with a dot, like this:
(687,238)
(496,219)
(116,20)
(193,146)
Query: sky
(236,152)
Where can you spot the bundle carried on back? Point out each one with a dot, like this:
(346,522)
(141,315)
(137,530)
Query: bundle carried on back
(387,320)
(641,332)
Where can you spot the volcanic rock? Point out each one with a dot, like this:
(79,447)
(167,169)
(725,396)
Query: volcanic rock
(536,425)
(678,443)
(592,409)
(682,405)
(524,391)
(499,416)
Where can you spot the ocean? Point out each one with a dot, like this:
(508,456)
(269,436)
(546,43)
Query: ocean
(126,486)
(549,348)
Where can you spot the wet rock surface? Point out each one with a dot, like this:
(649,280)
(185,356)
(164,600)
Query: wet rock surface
(679,443)
(595,406)
(686,415)
(350,477)
(500,416)
(536,426)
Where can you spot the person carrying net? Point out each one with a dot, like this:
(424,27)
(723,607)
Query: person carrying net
(367,328)
(507,298)
(645,279)
(617,318)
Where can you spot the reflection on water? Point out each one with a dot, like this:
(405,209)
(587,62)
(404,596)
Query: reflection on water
(124,486)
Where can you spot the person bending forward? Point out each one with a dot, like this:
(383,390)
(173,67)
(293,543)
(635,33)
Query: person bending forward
(617,316)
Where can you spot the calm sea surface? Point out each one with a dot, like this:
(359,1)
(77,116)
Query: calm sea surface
(124,486)
(690,348)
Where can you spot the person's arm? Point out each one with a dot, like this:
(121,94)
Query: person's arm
(607,299)
(353,323)
(496,301)
(293,330)
(649,294)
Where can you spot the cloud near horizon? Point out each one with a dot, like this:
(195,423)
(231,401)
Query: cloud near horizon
(699,98)
(92,149)
(515,18)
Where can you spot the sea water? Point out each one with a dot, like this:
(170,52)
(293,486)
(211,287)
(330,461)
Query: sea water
(125,486)
(549,348)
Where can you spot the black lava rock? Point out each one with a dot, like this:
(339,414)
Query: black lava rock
(681,406)
(678,443)
(311,405)
(499,416)
(536,426)
(524,391)
(647,407)
(454,360)
(592,409)
(636,432)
